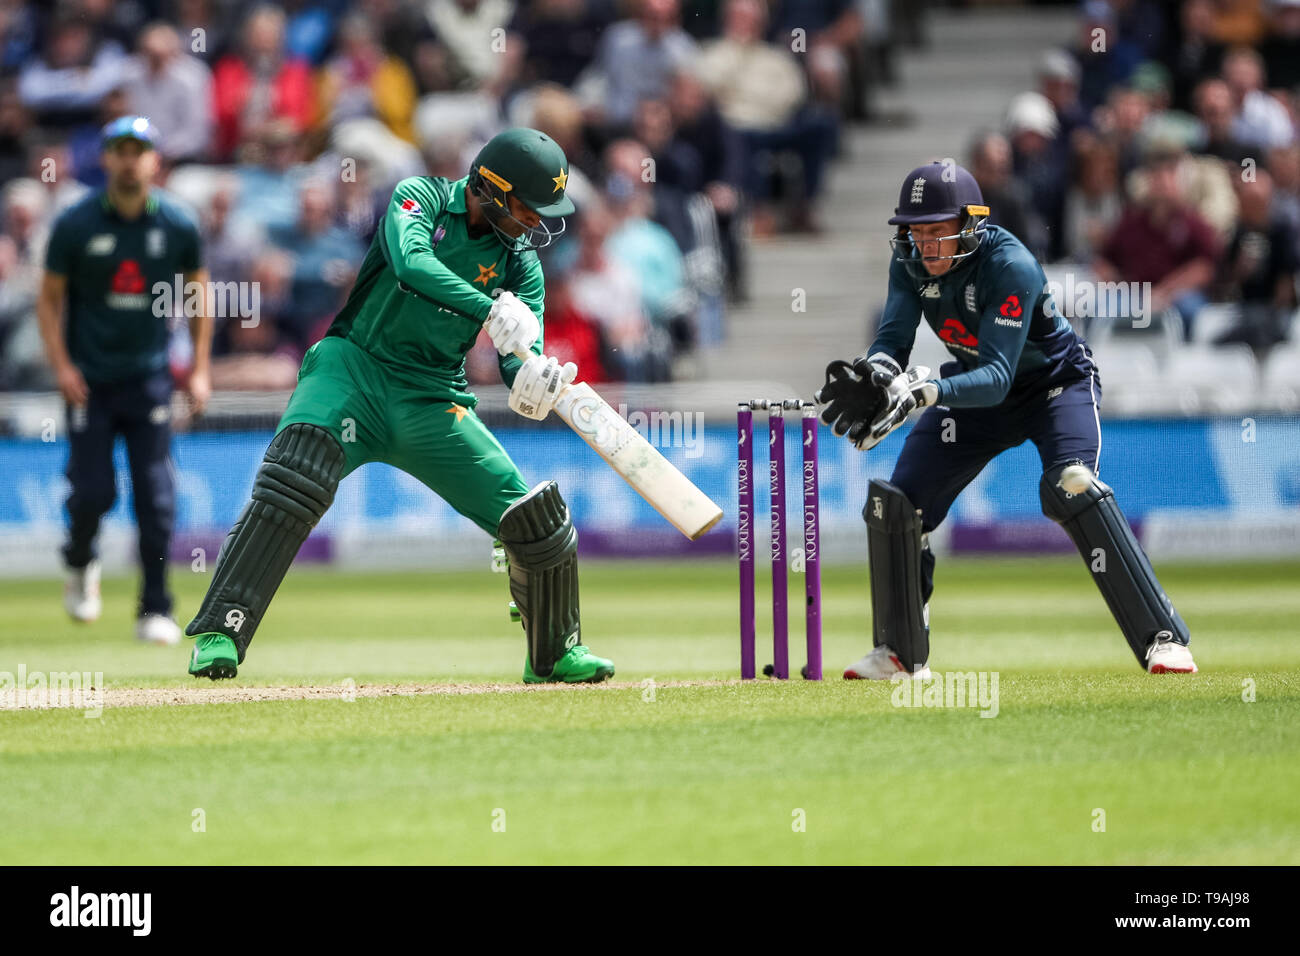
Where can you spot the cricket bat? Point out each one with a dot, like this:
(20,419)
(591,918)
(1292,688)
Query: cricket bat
(640,464)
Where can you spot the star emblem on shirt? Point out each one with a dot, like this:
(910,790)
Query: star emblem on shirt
(561,181)
(485,273)
(460,411)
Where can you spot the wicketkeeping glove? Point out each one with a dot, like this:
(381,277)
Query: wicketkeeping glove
(908,391)
(854,394)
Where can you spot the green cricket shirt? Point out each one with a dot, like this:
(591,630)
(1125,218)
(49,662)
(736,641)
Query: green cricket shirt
(425,289)
(114,267)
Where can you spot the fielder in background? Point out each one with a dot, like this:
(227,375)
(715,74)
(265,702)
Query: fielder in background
(387,383)
(105,255)
(1020,372)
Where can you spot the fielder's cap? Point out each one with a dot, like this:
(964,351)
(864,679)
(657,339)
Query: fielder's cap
(137,128)
(935,192)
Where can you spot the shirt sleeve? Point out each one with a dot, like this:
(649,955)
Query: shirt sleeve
(408,235)
(530,289)
(897,331)
(58,251)
(1003,328)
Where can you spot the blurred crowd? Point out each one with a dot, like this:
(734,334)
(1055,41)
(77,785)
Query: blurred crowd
(1161,147)
(690,126)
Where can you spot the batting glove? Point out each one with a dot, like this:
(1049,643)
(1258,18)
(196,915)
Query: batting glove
(538,384)
(511,325)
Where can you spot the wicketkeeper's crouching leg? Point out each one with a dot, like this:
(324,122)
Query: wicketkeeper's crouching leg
(541,545)
(1153,628)
(294,487)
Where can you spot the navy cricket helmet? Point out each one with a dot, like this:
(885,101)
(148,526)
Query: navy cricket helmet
(933,193)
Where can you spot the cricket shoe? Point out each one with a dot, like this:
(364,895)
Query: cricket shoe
(882,664)
(1165,656)
(157,629)
(81,593)
(214,656)
(577,666)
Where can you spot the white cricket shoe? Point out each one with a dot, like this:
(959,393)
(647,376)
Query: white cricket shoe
(882,664)
(81,593)
(1164,656)
(157,629)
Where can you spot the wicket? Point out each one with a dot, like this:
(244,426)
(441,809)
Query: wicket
(810,561)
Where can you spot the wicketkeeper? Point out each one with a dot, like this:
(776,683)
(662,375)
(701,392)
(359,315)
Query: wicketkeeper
(1020,372)
(387,383)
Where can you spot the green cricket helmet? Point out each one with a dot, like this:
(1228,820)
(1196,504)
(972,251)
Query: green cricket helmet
(531,166)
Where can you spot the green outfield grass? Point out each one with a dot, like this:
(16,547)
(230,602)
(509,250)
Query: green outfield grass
(1184,769)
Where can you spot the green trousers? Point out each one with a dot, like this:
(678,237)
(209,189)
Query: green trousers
(344,390)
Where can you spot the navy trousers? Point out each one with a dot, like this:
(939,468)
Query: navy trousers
(948,447)
(139,411)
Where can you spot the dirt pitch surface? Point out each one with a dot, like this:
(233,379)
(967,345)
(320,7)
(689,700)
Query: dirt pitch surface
(235,694)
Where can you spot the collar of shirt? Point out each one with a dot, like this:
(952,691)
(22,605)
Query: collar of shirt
(150,208)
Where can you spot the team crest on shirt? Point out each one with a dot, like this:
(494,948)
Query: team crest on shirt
(930,290)
(410,209)
(970,298)
(101,245)
(155,243)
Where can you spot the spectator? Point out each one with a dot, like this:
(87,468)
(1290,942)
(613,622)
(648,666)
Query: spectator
(308,29)
(1094,201)
(1283,164)
(1036,160)
(1123,122)
(1238,22)
(24,208)
(760,91)
(469,34)
(15,126)
(325,260)
(648,249)
(174,90)
(260,85)
(555,40)
(607,290)
(721,165)
(65,87)
(832,35)
(269,177)
(1259,268)
(253,357)
(1058,81)
(1280,50)
(1163,242)
(19,31)
(1261,121)
(1007,198)
(1214,109)
(1107,57)
(635,60)
(571,335)
(206,32)
(1204,181)
(1195,53)
(364,80)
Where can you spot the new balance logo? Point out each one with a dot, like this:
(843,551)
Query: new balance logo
(235,619)
(930,290)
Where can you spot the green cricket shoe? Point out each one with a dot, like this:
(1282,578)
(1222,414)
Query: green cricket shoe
(214,656)
(578,666)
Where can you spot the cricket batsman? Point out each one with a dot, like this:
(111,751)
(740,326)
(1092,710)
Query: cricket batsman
(1019,372)
(387,383)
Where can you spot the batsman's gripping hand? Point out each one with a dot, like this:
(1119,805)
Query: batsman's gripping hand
(511,325)
(538,383)
(854,394)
